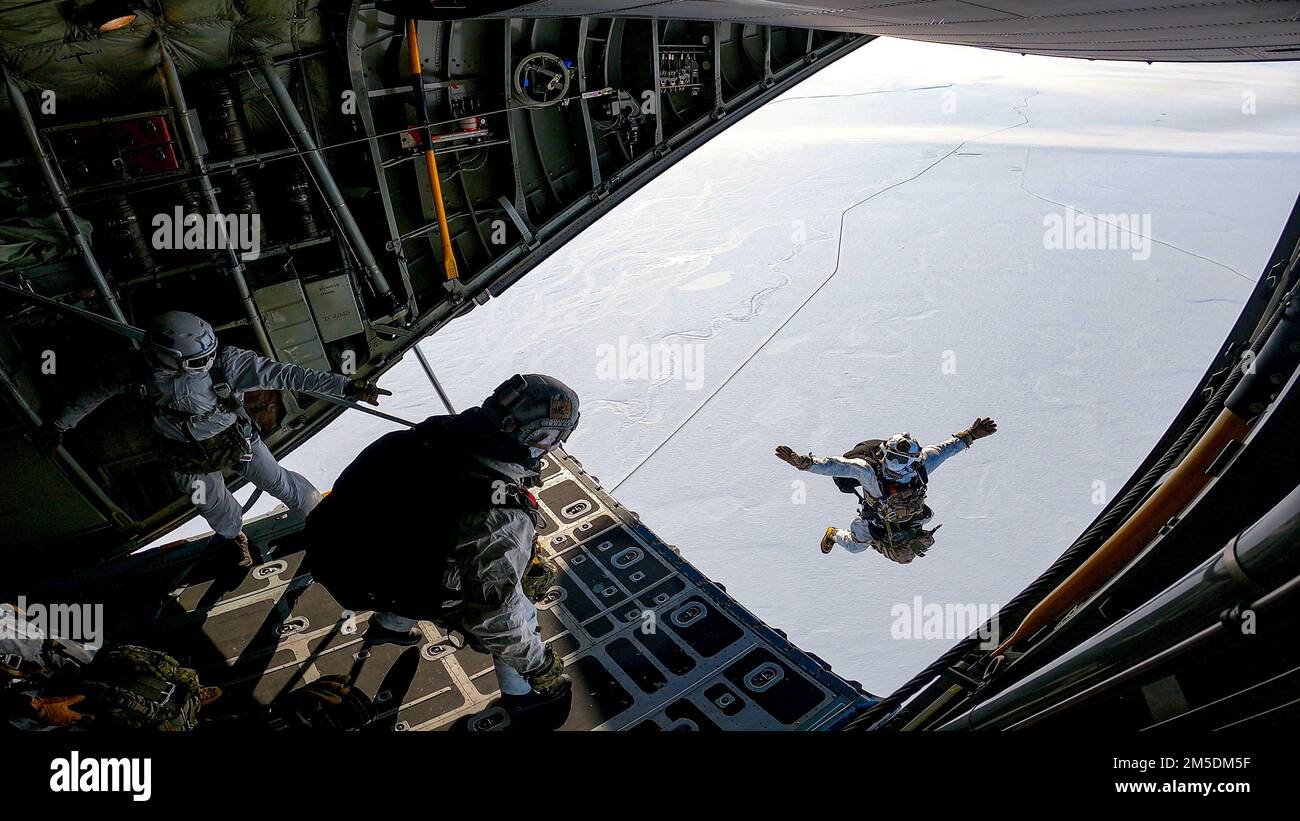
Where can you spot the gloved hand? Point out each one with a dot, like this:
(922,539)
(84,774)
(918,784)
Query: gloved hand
(365,390)
(47,439)
(328,689)
(328,703)
(800,461)
(548,679)
(981,427)
(207,695)
(57,710)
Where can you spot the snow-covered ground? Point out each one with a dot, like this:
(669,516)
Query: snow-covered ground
(874,252)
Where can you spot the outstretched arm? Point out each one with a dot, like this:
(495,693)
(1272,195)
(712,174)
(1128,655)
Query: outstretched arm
(832,466)
(249,371)
(107,381)
(84,403)
(936,455)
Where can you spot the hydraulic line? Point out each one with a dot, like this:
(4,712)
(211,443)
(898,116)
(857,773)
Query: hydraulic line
(193,147)
(426,143)
(305,147)
(1187,480)
(1264,373)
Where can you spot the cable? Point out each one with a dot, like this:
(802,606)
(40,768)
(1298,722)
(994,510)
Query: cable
(300,154)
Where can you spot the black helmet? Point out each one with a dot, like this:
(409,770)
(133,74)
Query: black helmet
(538,411)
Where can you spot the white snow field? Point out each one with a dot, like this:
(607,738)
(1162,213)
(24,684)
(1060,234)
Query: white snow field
(870,254)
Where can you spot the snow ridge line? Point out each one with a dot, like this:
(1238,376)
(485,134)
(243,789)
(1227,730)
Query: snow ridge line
(858,93)
(1024,172)
(839,247)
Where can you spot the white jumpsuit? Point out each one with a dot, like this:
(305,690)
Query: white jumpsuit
(194,394)
(858,538)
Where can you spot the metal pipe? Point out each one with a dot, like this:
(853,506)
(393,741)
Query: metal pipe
(350,405)
(1263,375)
(106,505)
(120,328)
(311,155)
(428,371)
(1168,500)
(172,81)
(1216,630)
(1268,370)
(55,187)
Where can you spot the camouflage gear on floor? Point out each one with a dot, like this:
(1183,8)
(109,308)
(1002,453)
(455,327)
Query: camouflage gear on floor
(136,688)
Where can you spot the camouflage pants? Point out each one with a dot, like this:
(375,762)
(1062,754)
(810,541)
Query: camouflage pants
(902,549)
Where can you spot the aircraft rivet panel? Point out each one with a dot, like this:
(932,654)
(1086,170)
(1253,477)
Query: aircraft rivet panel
(706,631)
(567,502)
(780,690)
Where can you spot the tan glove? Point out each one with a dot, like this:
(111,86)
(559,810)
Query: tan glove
(798,460)
(57,710)
(328,689)
(364,390)
(207,695)
(981,427)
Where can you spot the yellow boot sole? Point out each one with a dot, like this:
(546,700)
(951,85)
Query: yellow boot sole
(828,541)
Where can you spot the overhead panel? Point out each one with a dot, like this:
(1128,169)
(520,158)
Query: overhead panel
(290,326)
(1211,30)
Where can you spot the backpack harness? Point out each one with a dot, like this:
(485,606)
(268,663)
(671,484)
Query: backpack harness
(900,503)
(229,447)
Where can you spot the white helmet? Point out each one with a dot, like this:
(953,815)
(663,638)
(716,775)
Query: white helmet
(181,342)
(902,455)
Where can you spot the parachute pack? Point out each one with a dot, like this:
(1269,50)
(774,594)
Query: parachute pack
(136,688)
(404,571)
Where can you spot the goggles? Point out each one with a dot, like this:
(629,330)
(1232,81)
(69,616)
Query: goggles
(199,363)
(899,460)
(547,438)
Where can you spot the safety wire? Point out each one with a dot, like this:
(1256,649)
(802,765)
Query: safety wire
(839,248)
